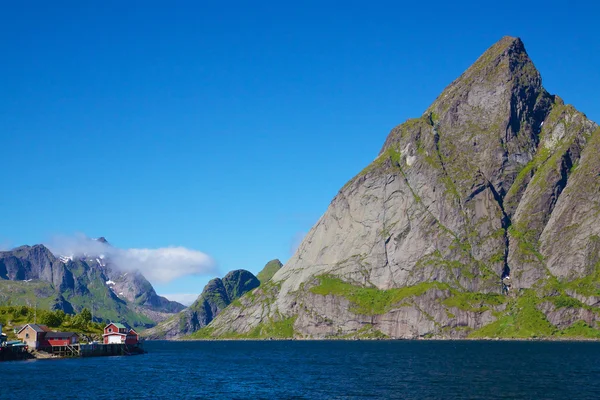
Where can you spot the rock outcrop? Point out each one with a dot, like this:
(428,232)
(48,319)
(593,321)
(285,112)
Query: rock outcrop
(216,296)
(484,208)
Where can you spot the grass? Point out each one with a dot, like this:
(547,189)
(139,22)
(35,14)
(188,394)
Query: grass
(273,329)
(580,330)
(368,300)
(27,293)
(475,302)
(526,240)
(268,271)
(589,285)
(522,319)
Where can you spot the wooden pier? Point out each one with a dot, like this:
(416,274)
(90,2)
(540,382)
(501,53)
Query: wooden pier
(94,350)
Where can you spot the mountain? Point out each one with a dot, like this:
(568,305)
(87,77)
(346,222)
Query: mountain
(34,275)
(216,296)
(481,218)
(269,270)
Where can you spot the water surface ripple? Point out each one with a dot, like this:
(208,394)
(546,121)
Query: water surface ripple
(318,370)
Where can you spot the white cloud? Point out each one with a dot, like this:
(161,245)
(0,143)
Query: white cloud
(184,298)
(157,265)
(167,263)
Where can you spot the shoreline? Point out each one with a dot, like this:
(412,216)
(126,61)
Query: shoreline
(383,340)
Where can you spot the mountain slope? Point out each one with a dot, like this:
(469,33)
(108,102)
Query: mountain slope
(482,214)
(33,275)
(216,296)
(268,271)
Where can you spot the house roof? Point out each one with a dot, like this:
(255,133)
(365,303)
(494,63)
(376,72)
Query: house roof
(54,335)
(118,325)
(35,327)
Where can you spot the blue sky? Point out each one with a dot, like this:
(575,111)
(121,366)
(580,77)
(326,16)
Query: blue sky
(228,127)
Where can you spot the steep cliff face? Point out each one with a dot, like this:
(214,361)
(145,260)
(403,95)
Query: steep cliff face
(32,274)
(216,296)
(485,208)
(34,262)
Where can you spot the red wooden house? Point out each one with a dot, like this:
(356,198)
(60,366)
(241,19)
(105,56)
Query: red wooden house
(39,336)
(119,333)
(61,338)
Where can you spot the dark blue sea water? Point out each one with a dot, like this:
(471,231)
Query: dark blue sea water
(318,370)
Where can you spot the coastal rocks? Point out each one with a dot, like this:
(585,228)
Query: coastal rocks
(498,181)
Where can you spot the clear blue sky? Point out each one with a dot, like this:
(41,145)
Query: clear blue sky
(228,127)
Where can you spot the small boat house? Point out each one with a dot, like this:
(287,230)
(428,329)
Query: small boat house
(119,333)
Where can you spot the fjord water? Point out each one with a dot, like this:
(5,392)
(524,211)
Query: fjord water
(318,370)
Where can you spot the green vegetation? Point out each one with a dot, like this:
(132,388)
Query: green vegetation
(268,271)
(564,301)
(370,301)
(475,302)
(527,172)
(16,316)
(27,293)
(273,329)
(589,285)
(527,241)
(522,319)
(366,332)
(43,296)
(580,330)
(102,303)
(202,333)
(373,301)
(280,329)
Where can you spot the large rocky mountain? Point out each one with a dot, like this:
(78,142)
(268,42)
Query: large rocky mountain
(480,218)
(216,296)
(34,275)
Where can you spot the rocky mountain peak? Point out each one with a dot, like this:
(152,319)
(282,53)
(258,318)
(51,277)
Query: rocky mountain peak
(484,206)
(489,119)
(505,64)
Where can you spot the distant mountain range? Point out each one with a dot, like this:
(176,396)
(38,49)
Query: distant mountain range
(33,275)
(217,295)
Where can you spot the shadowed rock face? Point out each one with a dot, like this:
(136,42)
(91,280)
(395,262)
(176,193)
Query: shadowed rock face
(497,179)
(216,296)
(33,262)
